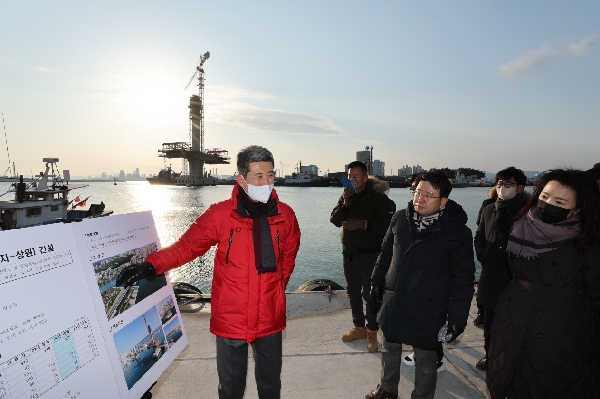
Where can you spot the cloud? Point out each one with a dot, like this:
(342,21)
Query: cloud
(44,69)
(225,107)
(229,92)
(540,58)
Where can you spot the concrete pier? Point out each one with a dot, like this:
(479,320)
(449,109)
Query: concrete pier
(316,363)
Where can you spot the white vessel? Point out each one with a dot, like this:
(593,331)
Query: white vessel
(459,181)
(298,178)
(43,201)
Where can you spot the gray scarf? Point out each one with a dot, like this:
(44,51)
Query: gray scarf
(530,236)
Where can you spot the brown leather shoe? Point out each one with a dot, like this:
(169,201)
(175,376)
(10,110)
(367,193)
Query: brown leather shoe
(354,334)
(372,344)
(380,393)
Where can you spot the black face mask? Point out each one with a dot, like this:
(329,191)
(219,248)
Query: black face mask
(551,213)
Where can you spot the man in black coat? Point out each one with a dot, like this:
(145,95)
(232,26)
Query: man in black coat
(364,215)
(423,281)
(490,241)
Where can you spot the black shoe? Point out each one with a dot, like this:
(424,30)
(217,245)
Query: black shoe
(482,364)
(478,322)
(380,393)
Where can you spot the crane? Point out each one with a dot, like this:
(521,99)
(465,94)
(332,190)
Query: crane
(201,62)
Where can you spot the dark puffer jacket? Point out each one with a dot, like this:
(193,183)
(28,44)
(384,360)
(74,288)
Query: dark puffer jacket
(368,205)
(543,326)
(428,277)
(490,249)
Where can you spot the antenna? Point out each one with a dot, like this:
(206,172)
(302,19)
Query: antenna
(6,139)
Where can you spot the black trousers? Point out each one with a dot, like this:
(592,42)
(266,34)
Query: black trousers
(425,370)
(357,270)
(232,366)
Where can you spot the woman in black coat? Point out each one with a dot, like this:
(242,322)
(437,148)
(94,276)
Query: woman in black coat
(543,325)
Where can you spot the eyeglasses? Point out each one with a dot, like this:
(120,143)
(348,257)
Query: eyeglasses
(507,184)
(419,193)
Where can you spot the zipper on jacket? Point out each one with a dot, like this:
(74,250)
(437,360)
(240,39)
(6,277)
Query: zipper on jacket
(229,247)
(278,246)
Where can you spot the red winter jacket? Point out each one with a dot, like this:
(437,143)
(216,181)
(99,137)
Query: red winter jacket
(244,304)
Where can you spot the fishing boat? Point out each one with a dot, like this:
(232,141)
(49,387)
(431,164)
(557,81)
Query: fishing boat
(45,201)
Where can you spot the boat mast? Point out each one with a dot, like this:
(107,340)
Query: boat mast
(6,139)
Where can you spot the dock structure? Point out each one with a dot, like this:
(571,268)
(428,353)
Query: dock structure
(316,363)
(194,158)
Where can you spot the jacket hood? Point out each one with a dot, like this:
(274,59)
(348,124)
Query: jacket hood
(380,186)
(454,214)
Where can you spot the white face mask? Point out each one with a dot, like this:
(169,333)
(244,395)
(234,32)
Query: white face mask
(505,193)
(259,193)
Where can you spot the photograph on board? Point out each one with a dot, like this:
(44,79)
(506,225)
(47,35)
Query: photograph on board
(166,309)
(173,331)
(140,344)
(119,299)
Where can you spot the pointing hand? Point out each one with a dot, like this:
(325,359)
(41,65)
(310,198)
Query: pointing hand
(135,272)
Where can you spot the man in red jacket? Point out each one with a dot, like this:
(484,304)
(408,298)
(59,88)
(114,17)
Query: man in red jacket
(257,238)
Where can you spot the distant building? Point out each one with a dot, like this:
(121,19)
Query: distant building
(310,169)
(378,168)
(408,171)
(363,156)
(122,175)
(405,171)
(135,176)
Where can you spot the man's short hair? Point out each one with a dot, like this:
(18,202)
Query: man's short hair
(438,181)
(252,153)
(358,164)
(512,172)
(597,165)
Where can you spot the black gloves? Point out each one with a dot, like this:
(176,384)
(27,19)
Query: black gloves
(376,298)
(348,193)
(449,333)
(135,272)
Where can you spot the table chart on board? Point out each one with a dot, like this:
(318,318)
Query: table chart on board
(36,370)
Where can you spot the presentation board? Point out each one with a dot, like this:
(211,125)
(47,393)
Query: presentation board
(66,329)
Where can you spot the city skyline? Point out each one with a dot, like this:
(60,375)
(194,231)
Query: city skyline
(469,84)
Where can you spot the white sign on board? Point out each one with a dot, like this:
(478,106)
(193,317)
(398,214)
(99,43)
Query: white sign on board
(66,330)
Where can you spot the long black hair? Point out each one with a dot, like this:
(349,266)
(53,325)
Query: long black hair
(587,201)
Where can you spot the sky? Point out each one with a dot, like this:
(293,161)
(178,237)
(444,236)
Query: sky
(468,83)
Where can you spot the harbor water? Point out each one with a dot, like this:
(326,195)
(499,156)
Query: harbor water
(175,208)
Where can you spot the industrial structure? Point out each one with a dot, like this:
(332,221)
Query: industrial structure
(193,155)
(366,157)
